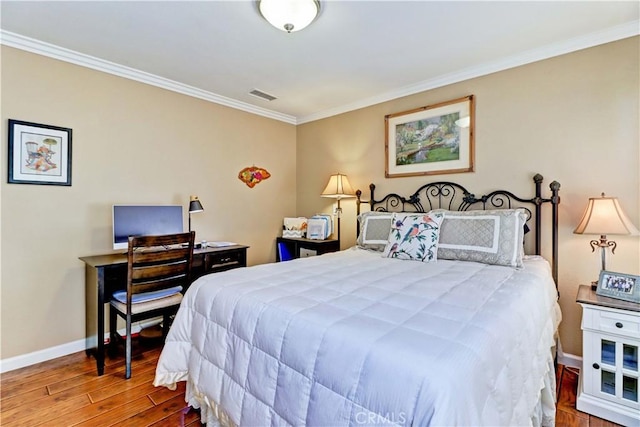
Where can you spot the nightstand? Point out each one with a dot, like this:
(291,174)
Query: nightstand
(608,386)
(299,247)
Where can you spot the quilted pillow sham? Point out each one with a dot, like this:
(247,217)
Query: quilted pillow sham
(414,237)
(374,230)
(490,237)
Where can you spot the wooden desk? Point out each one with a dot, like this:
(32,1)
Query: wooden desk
(105,274)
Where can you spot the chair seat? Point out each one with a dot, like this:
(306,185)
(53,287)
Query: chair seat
(142,307)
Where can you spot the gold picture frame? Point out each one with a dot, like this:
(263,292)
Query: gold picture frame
(431,140)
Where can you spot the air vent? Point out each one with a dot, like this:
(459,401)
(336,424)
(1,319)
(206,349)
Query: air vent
(261,94)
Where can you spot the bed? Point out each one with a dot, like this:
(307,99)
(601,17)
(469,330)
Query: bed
(365,337)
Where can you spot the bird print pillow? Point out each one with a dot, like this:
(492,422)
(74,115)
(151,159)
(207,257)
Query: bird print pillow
(414,237)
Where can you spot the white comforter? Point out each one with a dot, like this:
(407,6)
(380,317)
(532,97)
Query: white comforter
(351,338)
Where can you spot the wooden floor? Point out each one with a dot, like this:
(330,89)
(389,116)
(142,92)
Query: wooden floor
(67,392)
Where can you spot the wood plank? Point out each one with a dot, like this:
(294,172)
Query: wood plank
(23,374)
(162,394)
(171,407)
(118,414)
(140,376)
(567,398)
(107,406)
(52,407)
(569,419)
(22,399)
(599,422)
(190,417)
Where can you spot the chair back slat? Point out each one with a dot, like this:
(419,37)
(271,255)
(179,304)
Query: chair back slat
(157,285)
(159,262)
(149,273)
(159,254)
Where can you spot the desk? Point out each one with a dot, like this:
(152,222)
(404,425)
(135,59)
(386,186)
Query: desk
(105,274)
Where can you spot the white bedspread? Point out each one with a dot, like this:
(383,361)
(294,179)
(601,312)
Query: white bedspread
(351,338)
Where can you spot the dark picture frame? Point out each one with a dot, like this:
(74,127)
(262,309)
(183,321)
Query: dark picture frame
(431,140)
(619,286)
(39,154)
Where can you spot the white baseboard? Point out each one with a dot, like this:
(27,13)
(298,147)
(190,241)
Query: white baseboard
(566,359)
(17,362)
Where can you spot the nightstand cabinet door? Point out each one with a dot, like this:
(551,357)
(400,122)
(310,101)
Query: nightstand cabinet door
(611,368)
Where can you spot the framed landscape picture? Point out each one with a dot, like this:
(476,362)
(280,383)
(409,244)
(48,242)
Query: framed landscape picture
(435,139)
(618,285)
(39,154)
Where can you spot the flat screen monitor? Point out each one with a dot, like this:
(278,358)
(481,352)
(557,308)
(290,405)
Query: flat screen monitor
(140,220)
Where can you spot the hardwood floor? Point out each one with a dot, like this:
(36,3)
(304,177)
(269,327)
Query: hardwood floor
(67,392)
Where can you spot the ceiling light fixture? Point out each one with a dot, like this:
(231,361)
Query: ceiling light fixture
(289,15)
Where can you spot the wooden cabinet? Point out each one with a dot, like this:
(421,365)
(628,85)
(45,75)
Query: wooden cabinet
(293,247)
(611,339)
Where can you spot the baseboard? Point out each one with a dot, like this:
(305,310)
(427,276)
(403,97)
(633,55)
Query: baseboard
(570,360)
(17,362)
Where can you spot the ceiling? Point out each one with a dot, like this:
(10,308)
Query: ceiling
(357,53)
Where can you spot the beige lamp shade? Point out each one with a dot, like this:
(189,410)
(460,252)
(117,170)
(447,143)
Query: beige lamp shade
(338,187)
(603,216)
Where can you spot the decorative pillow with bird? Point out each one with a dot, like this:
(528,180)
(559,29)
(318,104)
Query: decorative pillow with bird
(414,237)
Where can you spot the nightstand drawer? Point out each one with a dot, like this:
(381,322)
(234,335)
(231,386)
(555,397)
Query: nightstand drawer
(612,322)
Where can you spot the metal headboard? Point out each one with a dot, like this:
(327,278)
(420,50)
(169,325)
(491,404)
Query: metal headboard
(454,197)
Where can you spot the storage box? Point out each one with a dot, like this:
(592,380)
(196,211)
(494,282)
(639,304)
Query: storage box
(294,227)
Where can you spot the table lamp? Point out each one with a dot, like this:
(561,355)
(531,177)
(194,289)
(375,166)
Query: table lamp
(603,216)
(338,188)
(194,207)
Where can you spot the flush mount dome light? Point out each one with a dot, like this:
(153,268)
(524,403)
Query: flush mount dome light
(289,15)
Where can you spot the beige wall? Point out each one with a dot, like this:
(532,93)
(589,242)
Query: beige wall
(132,143)
(573,118)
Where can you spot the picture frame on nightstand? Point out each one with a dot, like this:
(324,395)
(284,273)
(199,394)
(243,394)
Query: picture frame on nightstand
(619,286)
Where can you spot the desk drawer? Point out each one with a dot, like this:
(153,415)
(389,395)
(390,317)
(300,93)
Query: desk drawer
(224,258)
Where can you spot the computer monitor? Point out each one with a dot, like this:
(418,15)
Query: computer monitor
(139,220)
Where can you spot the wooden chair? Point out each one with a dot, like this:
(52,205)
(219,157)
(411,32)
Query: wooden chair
(157,265)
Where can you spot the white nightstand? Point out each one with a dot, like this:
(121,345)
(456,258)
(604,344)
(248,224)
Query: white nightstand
(608,386)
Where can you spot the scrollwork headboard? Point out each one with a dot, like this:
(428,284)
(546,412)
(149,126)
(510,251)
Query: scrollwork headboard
(454,197)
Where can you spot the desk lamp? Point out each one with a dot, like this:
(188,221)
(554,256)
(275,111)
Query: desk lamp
(603,216)
(338,188)
(194,207)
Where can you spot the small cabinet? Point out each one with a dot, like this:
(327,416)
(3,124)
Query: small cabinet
(292,247)
(609,378)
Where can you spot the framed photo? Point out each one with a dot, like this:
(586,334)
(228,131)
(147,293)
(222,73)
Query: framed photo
(39,154)
(435,139)
(620,286)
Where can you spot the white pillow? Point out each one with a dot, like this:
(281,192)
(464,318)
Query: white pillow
(414,236)
(489,236)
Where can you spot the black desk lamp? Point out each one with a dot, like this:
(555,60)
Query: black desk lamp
(194,207)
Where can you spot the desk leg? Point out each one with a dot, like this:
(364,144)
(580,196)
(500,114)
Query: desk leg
(100,354)
(94,316)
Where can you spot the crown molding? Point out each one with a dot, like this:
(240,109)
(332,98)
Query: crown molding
(28,44)
(629,29)
(623,31)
